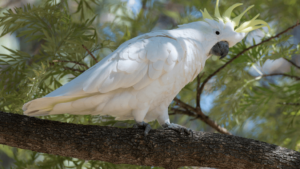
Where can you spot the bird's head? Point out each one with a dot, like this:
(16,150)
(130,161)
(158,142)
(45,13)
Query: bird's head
(226,31)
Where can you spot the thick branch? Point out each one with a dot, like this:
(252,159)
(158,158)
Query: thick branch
(164,148)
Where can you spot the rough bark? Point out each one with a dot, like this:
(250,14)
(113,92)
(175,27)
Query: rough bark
(164,148)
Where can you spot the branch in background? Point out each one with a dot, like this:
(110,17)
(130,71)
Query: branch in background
(242,52)
(12,3)
(198,114)
(67,61)
(198,90)
(184,105)
(292,104)
(73,69)
(180,111)
(90,54)
(165,148)
(291,62)
(281,74)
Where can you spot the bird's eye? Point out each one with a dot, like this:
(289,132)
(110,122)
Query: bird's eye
(217,32)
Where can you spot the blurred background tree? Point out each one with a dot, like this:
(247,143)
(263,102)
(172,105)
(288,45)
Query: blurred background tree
(253,97)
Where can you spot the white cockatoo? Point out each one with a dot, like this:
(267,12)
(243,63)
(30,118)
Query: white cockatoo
(143,75)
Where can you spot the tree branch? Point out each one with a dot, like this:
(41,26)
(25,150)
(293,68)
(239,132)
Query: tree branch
(291,62)
(198,90)
(198,114)
(90,54)
(184,105)
(67,61)
(73,69)
(165,148)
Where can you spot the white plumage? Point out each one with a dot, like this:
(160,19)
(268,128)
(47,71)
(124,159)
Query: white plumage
(143,75)
(137,81)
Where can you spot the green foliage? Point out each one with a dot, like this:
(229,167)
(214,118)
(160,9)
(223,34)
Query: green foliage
(51,36)
(59,38)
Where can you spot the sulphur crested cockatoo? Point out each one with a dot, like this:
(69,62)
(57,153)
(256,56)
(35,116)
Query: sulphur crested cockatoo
(142,76)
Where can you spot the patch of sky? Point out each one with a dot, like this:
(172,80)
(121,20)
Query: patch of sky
(10,41)
(207,100)
(110,35)
(254,70)
(121,33)
(296,37)
(195,12)
(134,5)
(54,2)
(251,126)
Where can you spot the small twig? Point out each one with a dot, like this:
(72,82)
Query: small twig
(198,114)
(184,105)
(90,54)
(282,74)
(76,70)
(71,62)
(294,64)
(291,104)
(171,114)
(179,111)
(242,52)
(198,90)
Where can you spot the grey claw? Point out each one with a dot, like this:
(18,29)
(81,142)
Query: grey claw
(189,132)
(135,126)
(178,128)
(147,129)
(144,125)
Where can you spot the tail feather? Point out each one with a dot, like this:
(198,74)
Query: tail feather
(46,105)
(89,104)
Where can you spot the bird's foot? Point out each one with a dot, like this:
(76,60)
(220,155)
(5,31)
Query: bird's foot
(144,125)
(177,128)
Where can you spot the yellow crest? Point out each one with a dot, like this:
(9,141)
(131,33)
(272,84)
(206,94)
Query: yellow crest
(245,27)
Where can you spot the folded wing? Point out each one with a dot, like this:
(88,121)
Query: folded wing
(135,64)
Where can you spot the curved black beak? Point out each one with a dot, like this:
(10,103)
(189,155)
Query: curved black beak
(220,49)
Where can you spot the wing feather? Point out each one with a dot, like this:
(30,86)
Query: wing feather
(136,63)
(154,74)
(148,59)
(129,66)
(158,65)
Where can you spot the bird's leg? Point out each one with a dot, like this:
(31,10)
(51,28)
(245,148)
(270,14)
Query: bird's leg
(144,125)
(139,116)
(177,128)
(164,121)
